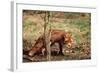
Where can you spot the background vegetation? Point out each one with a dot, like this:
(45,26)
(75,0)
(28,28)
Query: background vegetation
(79,24)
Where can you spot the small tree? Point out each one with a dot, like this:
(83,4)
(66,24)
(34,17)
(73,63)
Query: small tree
(47,33)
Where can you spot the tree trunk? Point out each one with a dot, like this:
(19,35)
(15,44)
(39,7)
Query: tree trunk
(47,35)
